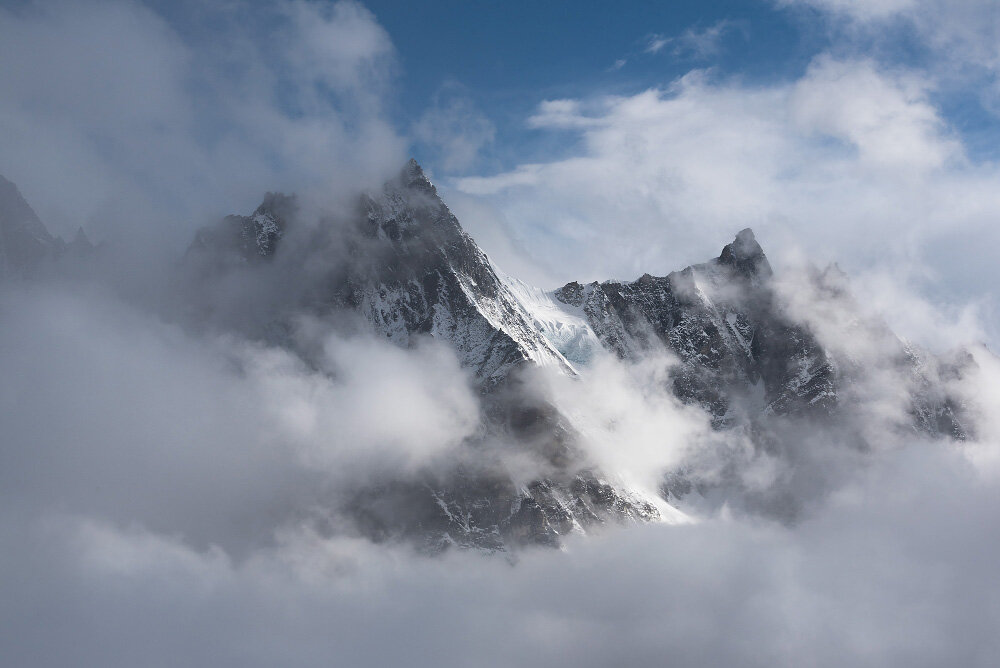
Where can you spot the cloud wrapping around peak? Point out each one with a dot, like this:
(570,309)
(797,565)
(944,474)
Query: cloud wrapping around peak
(884,576)
(212,439)
(169,496)
(114,119)
(850,162)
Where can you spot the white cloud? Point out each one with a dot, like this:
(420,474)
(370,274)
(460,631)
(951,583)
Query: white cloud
(886,117)
(962,35)
(893,572)
(631,422)
(109,412)
(865,10)
(694,42)
(656,43)
(110,118)
(851,162)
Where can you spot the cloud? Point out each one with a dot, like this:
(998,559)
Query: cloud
(887,118)
(111,413)
(455,128)
(860,9)
(962,38)
(891,573)
(694,42)
(656,43)
(851,162)
(113,119)
(168,496)
(630,421)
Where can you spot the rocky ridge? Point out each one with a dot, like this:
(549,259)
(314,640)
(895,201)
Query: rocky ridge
(403,265)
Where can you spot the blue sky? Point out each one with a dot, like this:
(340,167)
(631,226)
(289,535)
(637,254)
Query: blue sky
(574,140)
(507,56)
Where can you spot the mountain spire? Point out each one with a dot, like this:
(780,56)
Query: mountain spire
(746,256)
(413,177)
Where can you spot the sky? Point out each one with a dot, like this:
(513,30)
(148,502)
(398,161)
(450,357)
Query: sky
(575,141)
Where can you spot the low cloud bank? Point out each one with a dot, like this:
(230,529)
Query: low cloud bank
(112,413)
(160,492)
(896,570)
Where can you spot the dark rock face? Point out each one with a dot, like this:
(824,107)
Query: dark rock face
(247,239)
(490,512)
(722,321)
(420,274)
(731,333)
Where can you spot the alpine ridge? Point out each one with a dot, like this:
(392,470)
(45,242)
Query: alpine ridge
(410,271)
(400,266)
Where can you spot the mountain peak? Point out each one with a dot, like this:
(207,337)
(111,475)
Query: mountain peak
(81,242)
(15,212)
(413,177)
(746,256)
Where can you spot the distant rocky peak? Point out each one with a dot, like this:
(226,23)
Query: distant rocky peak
(572,293)
(279,206)
(263,230)
(413,177)
(252,238)
(746,256)
(24,241)
(81,242)
(409,207)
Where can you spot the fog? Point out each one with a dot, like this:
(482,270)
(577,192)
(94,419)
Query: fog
(895,570)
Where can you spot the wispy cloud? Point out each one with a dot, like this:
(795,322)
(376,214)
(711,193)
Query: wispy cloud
(964,36)
(454,128)
(695,42)
(655,43)
(817,163)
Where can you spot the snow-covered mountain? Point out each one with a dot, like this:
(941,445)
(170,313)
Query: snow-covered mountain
(401,264)
(405,265)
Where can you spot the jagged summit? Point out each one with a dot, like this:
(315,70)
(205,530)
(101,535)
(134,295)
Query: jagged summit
(413,176)
(246,239)
(400,263)
(404,264)
(746,256)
